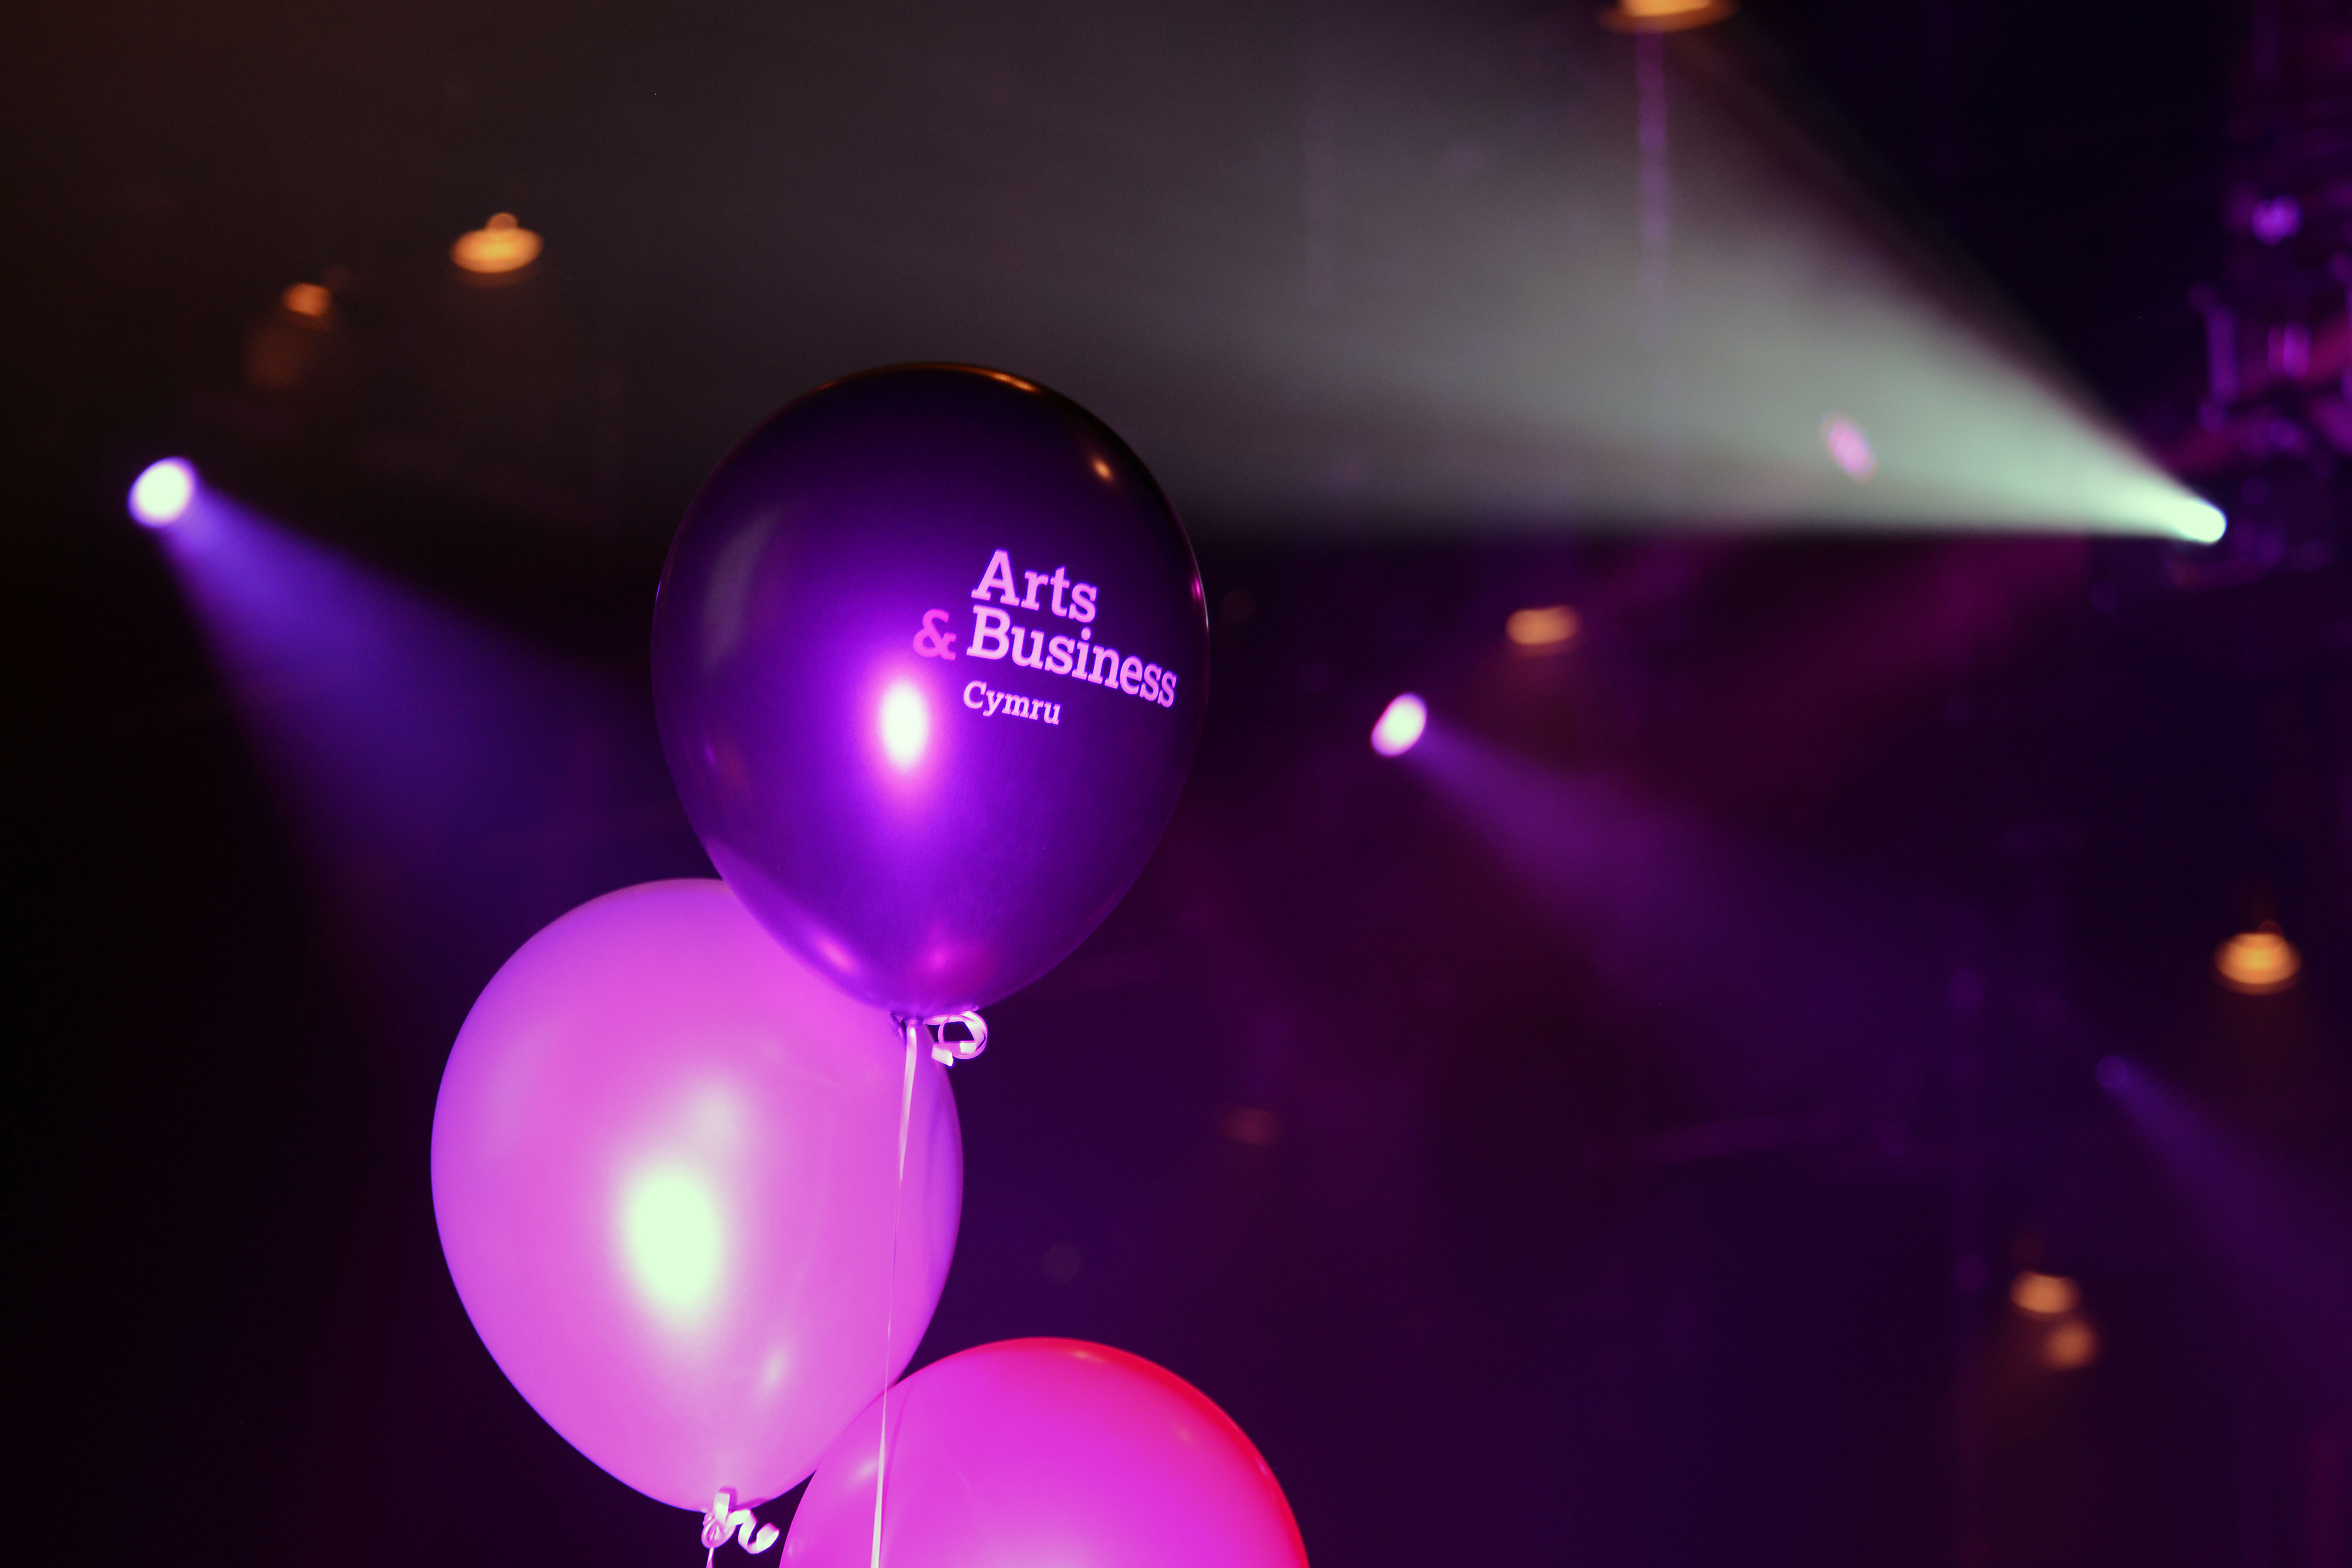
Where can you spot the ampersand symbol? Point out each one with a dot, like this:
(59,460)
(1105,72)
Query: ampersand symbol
(725,1520)
(931,642)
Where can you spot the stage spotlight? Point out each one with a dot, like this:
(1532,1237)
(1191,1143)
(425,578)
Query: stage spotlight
(2045,1295)
(1545,630)
(1401,722)
(499,246)
(2196,521)
(163,492)
(2258,963)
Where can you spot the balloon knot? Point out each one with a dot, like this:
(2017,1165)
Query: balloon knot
(725,1520)
(945,1051)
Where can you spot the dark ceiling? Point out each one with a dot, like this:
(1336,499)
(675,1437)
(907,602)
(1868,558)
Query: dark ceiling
(1324,264)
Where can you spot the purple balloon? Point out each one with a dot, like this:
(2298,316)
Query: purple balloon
(1046,1451)
(665,1165)
(929,658)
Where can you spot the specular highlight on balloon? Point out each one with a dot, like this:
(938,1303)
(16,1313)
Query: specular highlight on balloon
(669,1185)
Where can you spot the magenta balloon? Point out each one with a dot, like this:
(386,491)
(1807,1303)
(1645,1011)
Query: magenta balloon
(664,1168)
(929,658)
(1046,1451)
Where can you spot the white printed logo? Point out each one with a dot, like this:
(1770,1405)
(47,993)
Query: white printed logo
(988,703)
(996,634)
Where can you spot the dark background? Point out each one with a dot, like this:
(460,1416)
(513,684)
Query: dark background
(1510,1228)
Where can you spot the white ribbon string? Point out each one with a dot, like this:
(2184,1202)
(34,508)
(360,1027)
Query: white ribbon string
(947,1052)
(725,1520)
(914,1031)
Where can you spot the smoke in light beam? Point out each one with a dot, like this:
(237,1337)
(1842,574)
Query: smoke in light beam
(1457,338)
(457,787)
(1783,984)
(2285,1249)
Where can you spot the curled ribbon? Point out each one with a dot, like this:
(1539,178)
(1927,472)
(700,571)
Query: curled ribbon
(931,642)
(947,1052)
(725,1520)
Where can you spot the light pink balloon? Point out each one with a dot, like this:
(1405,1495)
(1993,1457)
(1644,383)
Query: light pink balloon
(663,1164)
(1051,1452)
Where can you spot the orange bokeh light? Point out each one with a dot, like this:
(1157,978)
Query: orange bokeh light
(1545,629)
(2045,1295)
(2259,961)
(499,246)
(1665,15)
(310,300)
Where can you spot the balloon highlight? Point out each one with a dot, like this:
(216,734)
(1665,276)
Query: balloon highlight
(665,1169)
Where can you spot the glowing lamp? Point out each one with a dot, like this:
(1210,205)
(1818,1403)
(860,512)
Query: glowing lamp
(1401,722)
(1665,15)
(499,246)
(162,492)
(2259,961)
(310,301)
(1544,630)
(2045,1295)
